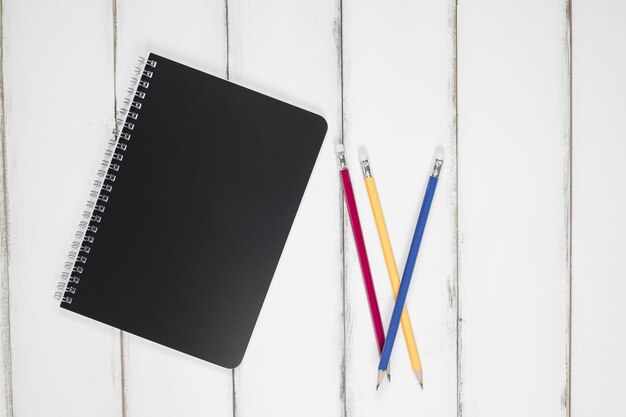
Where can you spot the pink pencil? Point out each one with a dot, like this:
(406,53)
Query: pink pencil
(353,213)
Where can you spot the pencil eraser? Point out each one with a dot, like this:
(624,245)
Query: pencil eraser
(339,148)
(363,154)
(439,154)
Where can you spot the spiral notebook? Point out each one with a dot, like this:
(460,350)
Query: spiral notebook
(190,211)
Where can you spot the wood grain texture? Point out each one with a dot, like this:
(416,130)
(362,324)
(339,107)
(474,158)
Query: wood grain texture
(513,103)
(598,206)
(160,381)
(58,86)
(293,363)
(399,105)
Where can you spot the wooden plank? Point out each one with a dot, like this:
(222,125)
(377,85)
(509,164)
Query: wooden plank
(598,206)
(58,86)
(399,106)
(513,106)
(293,362)
(160,381)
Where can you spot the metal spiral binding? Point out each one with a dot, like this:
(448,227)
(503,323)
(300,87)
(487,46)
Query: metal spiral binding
(106,175)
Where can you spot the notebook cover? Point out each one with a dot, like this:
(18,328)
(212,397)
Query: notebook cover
(200,210)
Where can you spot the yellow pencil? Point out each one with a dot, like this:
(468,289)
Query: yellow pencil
(390,262)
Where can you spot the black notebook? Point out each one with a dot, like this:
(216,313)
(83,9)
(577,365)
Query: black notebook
(190,211)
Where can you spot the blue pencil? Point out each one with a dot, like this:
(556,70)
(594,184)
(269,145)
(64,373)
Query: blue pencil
(383,366)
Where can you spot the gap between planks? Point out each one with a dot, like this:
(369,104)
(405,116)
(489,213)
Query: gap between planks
(4,247)
(122,335)
(567,392)
(454,22)
(342,214)
(226,30)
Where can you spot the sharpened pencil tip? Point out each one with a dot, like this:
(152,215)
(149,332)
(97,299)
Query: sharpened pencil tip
(380,377)
(418,374)
(389,377)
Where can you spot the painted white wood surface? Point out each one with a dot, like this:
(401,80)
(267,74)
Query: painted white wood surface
(399,106)
(293,363)
(58,96)
(513,147)
(161,381)
(598,207)
(383,75)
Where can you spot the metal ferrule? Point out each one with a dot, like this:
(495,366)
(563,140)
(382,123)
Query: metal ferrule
(341,160)
(366,168)
(437,168)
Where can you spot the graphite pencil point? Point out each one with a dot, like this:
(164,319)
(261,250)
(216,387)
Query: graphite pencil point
(418,374)
(381,376)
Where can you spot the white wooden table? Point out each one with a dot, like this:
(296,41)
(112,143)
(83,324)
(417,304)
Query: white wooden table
(519,295)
